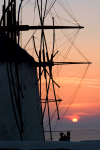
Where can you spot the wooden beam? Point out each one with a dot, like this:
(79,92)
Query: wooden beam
(27,27)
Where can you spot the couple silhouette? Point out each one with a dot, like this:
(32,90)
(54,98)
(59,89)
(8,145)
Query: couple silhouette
(64,137)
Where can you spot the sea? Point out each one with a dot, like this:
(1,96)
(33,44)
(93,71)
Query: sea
(76,135)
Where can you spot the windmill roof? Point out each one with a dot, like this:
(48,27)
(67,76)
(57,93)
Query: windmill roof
(9,51)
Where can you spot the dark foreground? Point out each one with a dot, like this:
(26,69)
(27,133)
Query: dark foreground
(55,145)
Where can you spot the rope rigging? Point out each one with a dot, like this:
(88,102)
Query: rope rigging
(71,100)
(47,12)
(66,10)
(67,52)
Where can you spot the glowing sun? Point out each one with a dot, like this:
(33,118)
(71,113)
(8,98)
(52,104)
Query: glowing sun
(74,119)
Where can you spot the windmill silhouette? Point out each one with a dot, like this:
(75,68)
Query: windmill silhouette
(45,61)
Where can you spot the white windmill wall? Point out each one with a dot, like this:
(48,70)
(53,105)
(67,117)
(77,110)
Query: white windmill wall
(8,128)
(7,123)
(31,111)
(30,104)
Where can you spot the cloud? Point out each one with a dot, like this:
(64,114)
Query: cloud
(94,86)
(82,105)
(65,81)
(81,114)
(71,117)
(77,116)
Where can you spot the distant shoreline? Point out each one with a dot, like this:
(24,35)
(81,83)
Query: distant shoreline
(64,130)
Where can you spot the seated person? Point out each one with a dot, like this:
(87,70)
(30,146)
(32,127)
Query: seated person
(68,136)
(62,137)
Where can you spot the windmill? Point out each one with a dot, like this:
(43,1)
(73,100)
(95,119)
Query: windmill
(45,61)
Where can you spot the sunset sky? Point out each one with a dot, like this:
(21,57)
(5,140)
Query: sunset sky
(85,107)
